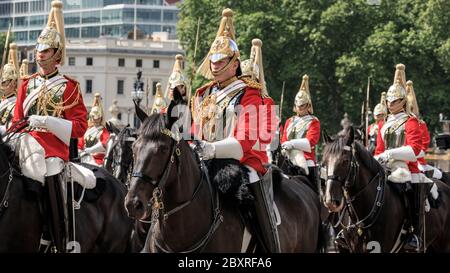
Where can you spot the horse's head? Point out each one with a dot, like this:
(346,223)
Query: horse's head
(338,160)
(154,153)
(121,154)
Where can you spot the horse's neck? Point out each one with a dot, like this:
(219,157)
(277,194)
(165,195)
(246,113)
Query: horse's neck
(184,228)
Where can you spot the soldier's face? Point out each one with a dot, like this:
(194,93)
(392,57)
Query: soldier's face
(396,106)
(302,109)
(219,65)
(45,54)
(379,117)
(7,87)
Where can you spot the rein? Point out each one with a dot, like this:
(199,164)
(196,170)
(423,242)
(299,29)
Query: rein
(157,206)
(367,221)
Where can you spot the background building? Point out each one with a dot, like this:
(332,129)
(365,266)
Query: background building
(90,18)
(107,41)
(109,65)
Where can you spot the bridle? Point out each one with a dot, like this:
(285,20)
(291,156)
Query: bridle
(156,203)
(355,222)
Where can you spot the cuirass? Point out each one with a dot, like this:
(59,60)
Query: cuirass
(298,127)
(394,133)
(50,99)
(92,136)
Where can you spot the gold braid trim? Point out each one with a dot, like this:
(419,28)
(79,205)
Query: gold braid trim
(193,110)
(251,83)
(46,103)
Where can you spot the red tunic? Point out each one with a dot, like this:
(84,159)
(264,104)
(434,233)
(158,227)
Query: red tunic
(98,157)
(425,141)
(312,134)
(246,129)
(413,138)
(77,114)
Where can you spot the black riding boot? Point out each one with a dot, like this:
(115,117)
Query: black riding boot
(313,177)
(57,215)
(412,243)
(263,205)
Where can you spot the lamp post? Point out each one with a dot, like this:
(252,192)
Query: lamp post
(138,94)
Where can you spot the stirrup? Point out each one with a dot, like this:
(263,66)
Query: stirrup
(44,245)
(412,243)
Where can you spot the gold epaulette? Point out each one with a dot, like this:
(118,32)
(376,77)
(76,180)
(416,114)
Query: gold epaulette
(71,79)
(27,77)
(251,83)
(203,87)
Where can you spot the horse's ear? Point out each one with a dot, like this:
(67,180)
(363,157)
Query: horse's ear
(170,116)
(139,112)
(326,138)
(350,135)
(112,128)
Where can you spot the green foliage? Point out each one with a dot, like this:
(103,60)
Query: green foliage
(339,44)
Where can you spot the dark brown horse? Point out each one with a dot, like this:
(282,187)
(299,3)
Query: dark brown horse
(357,186)
(102,224)
(170,184)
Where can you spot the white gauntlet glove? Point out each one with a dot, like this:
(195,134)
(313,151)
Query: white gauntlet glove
(207,150)
(97,148)
(301,144)
(61,128)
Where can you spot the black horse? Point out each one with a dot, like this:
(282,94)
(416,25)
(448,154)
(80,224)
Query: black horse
(188,212)
(102,224)
(119,154)
(357,186)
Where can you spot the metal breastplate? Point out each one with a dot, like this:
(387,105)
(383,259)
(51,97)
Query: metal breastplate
(299,127)
(92,136)
(7,114)
(217,118)
(394,135)
(47,102)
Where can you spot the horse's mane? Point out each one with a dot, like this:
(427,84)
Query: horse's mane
(335,147)
(367,159)
(152,126)
(127,131)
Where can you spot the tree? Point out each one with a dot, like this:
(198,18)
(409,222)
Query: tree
(338,44)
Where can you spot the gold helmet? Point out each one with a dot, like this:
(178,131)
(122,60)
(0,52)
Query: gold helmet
(160,102)
(411,101)
(23,71)
(11,69)
(53,34)
(224,46)
(398,89)
(381,107)
(253,67)
(96,112)
(177,77)
(303,96)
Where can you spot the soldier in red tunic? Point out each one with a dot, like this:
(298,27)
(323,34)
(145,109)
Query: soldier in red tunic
(55,110)
(302,133)
(9,84)
(93,144)
(226,118)
(379,113)
(399,142)
(253,73)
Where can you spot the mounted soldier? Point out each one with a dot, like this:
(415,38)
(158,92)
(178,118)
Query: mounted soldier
(399,142)
(178,80)
(302,133)
(159,103)
(379,114)
(54,108)
(9,84)
(93,144)
(253,72)
(225,115)
(428,170)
